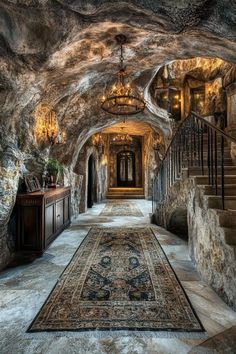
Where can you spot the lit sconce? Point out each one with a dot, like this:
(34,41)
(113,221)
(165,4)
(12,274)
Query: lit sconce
(177,101)
(47,127)
(98,141)
(104,161)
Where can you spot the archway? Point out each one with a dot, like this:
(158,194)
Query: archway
(90,187)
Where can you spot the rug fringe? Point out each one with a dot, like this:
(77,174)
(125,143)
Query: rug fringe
(117,334)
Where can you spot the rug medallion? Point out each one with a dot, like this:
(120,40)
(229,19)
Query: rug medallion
(119,278)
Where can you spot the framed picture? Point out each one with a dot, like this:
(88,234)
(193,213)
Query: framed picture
(32,184)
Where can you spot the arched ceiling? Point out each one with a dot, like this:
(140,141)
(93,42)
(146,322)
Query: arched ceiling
(129,127)
(63,52)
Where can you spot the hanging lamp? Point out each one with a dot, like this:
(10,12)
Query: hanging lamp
(123,98)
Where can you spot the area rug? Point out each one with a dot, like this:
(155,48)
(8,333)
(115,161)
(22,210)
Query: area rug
(121,209)
(118,279)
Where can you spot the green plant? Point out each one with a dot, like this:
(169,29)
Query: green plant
(54,167)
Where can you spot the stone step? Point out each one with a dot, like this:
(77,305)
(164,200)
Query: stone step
(227,218)
(125,189)
(229,234)
(215,202)
(126,192)
(227,162)
(229,189)
(197,171)
(229,179)
(125,196)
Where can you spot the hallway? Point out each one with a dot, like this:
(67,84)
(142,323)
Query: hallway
(23,291)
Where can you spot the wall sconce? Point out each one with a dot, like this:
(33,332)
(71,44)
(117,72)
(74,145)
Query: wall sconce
(98,142)
(47,127)
(104,161)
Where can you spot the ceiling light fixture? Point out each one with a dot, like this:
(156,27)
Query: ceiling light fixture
(123,98)
(122,138)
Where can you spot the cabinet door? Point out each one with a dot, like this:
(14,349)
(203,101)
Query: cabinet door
(29,228)
(49,221)
(59,214)
(66,209)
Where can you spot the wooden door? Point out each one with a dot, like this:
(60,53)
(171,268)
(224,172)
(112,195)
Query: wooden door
(126,169)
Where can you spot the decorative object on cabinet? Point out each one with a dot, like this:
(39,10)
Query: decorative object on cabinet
(41,217)
(54,172)
(32,183)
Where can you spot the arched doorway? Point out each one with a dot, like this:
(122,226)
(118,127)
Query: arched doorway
(126,169)
(90,189)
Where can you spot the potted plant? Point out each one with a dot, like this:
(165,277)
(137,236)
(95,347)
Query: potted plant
(54,172)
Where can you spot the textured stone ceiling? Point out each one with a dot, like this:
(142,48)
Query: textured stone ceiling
(129,127)
(64,53)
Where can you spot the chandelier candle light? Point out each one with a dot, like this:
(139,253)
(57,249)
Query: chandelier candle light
(47,127)
(122,137)
(123,98)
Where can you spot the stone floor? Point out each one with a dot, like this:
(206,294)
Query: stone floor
(23,290)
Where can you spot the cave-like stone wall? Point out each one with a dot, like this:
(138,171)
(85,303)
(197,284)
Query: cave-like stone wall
(100,176)
(214,259)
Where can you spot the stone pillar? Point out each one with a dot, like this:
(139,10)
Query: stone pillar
(231,109)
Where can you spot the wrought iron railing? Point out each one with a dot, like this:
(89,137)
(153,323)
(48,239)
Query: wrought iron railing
(196,144)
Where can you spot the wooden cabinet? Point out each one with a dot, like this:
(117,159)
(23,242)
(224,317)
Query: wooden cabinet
(41,217)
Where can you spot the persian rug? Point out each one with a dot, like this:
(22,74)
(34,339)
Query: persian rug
(121,209)
(119,278)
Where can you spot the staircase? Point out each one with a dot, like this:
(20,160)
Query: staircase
(198,173)
(125,193)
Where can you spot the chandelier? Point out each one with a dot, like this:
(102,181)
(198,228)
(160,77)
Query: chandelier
(47,127)
(122,98)
(122,138)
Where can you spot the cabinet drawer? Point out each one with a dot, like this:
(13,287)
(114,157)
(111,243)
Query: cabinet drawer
(59,214)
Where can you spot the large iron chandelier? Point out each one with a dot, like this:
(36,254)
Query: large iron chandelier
(123,98)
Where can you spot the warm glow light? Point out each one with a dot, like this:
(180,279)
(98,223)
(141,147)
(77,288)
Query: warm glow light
(47,128)
(104,161)
(123,98)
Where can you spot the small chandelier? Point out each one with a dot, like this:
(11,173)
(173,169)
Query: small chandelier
(47,127)
(122,98)
(122,138)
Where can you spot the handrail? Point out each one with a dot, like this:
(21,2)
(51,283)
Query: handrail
(196,143)
(222,132)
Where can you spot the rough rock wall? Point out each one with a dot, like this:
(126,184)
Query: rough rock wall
(100,176)
(75,181)
(214,259)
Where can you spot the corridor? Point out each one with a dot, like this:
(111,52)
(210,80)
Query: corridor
(24,289)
